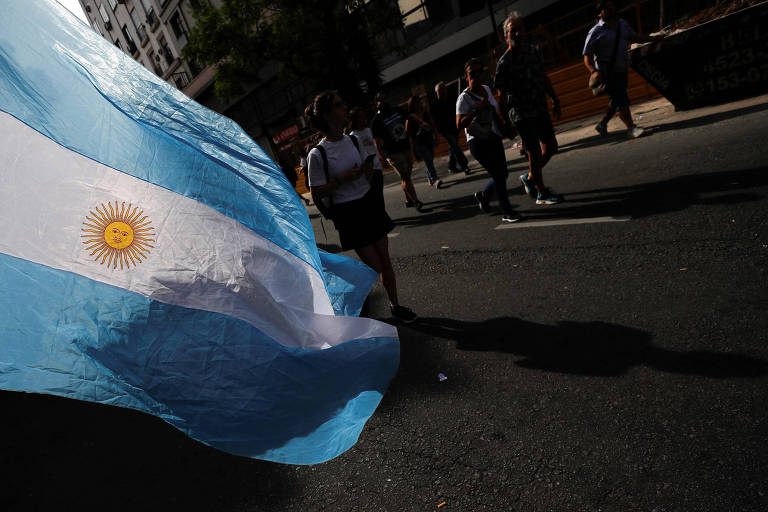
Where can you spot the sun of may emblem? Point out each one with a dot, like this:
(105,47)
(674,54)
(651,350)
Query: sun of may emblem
(118,235)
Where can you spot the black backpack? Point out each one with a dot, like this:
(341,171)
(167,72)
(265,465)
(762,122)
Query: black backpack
(327,209)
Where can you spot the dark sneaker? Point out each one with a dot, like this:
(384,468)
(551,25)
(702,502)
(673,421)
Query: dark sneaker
(404,314)
(548,198)
(601,129)
(467,172)
(419,206)
(409,204)
(528,185)
(510,217)
(482,202)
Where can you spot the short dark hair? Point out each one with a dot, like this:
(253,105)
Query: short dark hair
(315,111)
(472,62)
(602,3)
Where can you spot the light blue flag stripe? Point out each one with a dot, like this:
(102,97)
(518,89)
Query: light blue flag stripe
(78,338)
(64,80)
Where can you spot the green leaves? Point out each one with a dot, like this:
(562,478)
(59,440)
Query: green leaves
(325,43)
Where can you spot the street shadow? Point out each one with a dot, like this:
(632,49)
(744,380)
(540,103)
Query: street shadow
(580,348)
(675,194)
(619,136)
(436,212)
(62,453)
(331,248)
(708,119)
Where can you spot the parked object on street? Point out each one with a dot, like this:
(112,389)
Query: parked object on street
(719,61)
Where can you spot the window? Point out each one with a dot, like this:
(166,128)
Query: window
(150,11)
(129,39)
(105,17)
(113,4)
(117,43)
(140,30)
(178,28)
(165,51)
(157,66)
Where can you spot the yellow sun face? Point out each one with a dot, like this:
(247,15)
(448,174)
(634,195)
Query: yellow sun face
(118,235)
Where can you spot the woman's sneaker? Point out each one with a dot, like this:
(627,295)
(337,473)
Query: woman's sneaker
(482,202)
(635,132)
(510,217)
(548,198)
(530,189)
(404,314)
(601,129)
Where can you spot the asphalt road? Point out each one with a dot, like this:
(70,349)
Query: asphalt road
(611,366)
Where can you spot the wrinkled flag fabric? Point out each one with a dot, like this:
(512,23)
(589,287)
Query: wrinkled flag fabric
(153,257)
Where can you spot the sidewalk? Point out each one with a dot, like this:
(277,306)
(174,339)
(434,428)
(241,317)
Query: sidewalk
(647,114)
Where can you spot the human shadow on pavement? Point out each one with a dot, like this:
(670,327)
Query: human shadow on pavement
(582,348)
(675,194)
(66,454)
(620,136)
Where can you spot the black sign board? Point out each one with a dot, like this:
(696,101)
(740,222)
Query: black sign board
(721,60)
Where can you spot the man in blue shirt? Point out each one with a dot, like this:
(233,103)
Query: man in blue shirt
(607,60)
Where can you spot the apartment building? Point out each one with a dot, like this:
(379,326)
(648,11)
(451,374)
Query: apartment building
(153,32)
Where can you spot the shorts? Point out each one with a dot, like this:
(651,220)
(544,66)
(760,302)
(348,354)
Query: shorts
(616,88)
(363,221)
(402,164)
(534,130)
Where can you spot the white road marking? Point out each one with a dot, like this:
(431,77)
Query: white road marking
(560,222)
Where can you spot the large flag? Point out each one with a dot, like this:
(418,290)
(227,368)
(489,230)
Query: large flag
(153,257)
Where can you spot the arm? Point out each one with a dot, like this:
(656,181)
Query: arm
(642,38)
(551,91)
(350,174)
(589,62)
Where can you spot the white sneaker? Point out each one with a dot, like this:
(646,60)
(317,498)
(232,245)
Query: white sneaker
(635,132)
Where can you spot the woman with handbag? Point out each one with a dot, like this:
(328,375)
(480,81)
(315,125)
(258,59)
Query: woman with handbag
(338,172)
(477,114)
(605,56)
(423,138)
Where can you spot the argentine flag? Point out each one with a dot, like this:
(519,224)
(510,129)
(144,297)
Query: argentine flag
(153,257)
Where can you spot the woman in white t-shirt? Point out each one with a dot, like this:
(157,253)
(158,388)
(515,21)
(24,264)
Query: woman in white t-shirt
(356,208)
(477,114)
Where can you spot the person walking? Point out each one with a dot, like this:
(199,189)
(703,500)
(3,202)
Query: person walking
(477,114)
(391,139)
(523,87)
(443,110)
(337,171)
(423,138)
(606,58)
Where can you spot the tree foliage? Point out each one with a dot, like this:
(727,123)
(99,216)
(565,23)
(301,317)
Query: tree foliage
(327,43)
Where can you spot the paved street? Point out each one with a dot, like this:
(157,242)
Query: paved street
(619,363)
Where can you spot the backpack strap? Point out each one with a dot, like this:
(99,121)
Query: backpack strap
(355,142)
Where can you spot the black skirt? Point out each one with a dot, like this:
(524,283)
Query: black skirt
(363,221)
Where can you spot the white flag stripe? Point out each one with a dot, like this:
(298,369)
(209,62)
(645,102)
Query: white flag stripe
(199,258)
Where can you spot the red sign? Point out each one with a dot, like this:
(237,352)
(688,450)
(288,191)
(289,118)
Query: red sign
(287,133)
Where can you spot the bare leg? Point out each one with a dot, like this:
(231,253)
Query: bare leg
(548,149)
(626,117)
(377,257)
(608,115)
